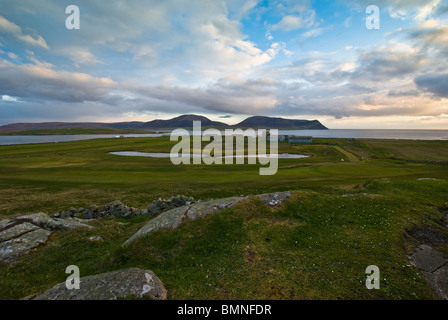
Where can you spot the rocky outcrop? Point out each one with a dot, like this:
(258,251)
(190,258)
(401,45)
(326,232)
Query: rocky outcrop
(116,209)
(171,203)
(432,264)
(274,198)
(44,221)
(434,267)
(174,217)
(20,235)
(121,284)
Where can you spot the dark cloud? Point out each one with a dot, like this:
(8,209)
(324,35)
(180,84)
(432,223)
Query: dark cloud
(434,83)
(235,96)
(386,64)
(431,41)
(40,82)
(408,93)
(442,10)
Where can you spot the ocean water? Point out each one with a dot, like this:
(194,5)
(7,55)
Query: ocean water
(372,134)
(332,133)
(10,140)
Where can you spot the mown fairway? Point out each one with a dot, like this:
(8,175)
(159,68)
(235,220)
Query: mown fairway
(315,246)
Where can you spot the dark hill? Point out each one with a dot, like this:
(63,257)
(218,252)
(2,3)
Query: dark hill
(185,121)
(280,123)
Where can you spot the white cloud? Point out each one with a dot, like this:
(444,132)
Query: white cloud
(347,22)
(12,55)
(7,98)
(427,10)
(410,9)
(80,56)
(313,33)
(12,28)
(294,22)
(244,9)
(269,36)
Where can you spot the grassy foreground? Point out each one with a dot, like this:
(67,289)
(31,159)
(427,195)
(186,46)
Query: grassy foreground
(317,245)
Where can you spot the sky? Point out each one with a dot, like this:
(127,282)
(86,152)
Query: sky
(139,60)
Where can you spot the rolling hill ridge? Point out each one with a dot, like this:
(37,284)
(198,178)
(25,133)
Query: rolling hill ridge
(183,121)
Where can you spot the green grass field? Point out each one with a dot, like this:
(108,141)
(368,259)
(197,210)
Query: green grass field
(316,245)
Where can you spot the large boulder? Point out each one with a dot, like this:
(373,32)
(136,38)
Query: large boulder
(121,284)
(20,235)
(174,217)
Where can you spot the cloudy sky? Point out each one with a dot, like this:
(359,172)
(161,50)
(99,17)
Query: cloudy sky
(226,59)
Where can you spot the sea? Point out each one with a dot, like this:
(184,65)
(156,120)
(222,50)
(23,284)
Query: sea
(331,133)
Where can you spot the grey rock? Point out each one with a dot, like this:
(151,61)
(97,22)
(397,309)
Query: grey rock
(46,222)
(96,238)
(434,267)
(6,224)
(274,198)
(79,214)
(114,285)
(440,282)
(19,235)
(153,208)
(56,215)
(171,203)
(174,217)
(115,203)
(87,214)
(427,259)
(12,249)
(16,231)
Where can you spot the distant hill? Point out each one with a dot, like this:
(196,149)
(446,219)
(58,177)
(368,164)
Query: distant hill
(184,121)
(280,123)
